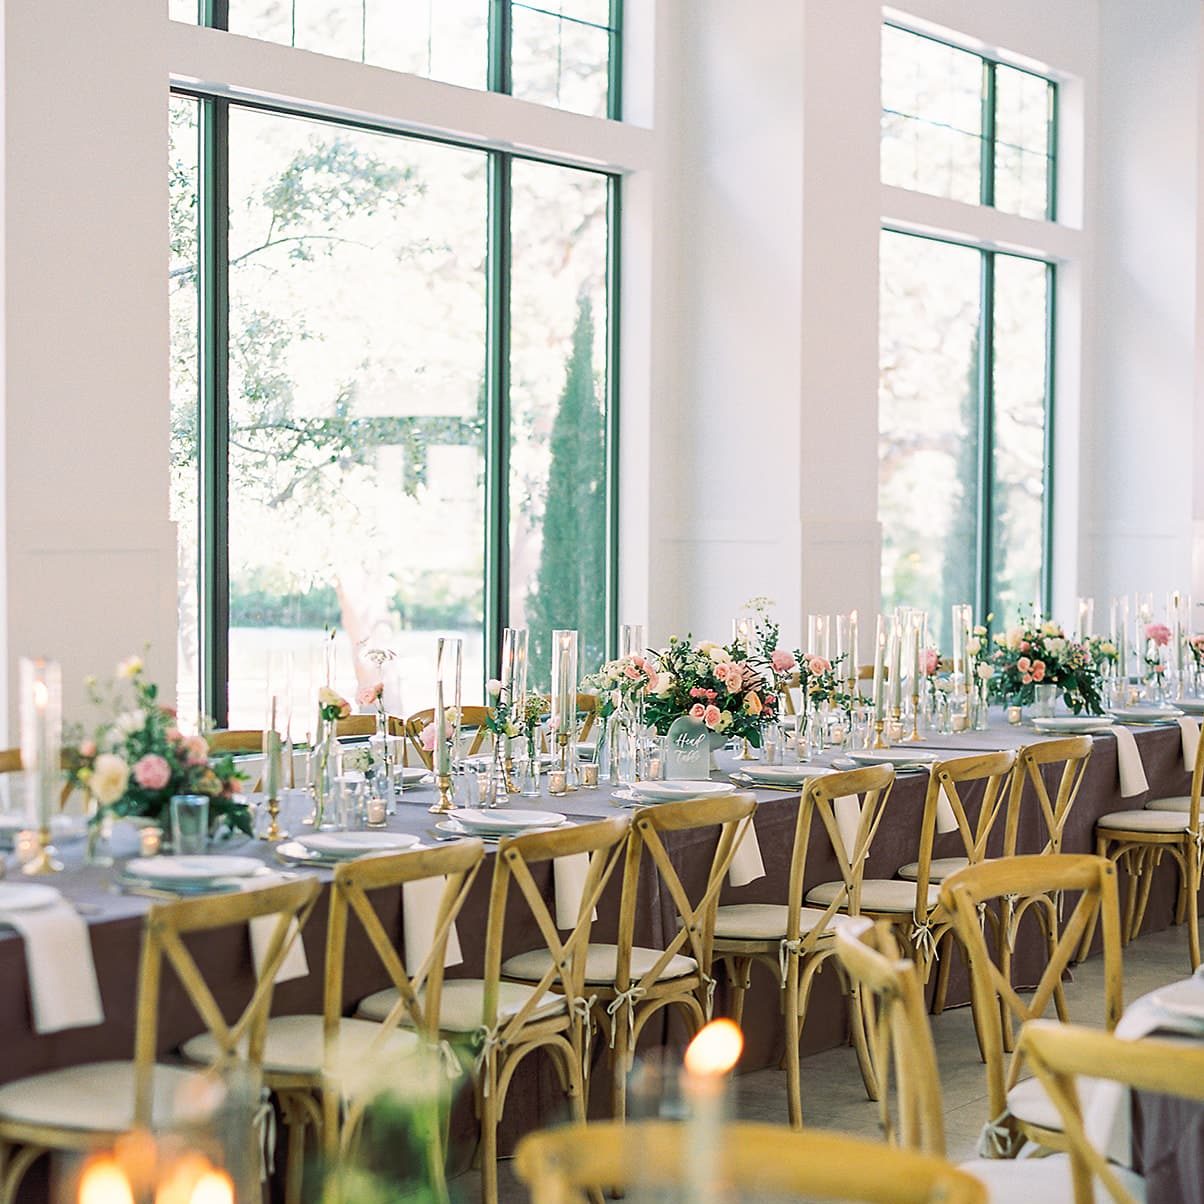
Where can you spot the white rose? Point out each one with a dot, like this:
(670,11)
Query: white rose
(973,645)
(110,776)
(664,684)
(130,721)
(494,687)
(1056,647)
(130,667)
(1015,636)
(985,672)
(1050,629)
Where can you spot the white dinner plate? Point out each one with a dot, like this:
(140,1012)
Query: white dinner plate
(1146,714)
(455,828)
(780,775)
(345,845)
(202,868)
(676,789)
(21,897)
(411,775)
(295,853)
(900,758)
(1074,723)
(504,822)
(1184,998)
(1193,706)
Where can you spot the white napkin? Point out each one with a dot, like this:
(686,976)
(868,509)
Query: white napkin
(847,812)
(1191,740)
(419,911)
(568,882)
(946,819)
(746,865)
(1107,1118)
(1128,759)
(63,991)
(263,928)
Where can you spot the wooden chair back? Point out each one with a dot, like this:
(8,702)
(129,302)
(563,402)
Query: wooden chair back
(900,1034)
(947,779)
(1058,1054)
(603,841)
(10,760)
(162,941)
(235,741)
(587,716)
(732,814)
(574,1163)
(966,893)
(1072,753)
(474,718)
(822,796)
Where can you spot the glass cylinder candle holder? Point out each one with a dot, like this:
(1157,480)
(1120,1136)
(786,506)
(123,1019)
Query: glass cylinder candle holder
(514,664)
(631,640)
(41,693)
(819,636)
(449,667)
(564,692)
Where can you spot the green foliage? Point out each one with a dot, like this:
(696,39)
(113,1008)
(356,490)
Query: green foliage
(570,586)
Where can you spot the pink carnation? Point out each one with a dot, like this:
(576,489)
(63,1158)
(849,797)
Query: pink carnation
(152,772)
(1160,633)
(782,661)
(196,750)
(697,711)
(370,695)
(711,717)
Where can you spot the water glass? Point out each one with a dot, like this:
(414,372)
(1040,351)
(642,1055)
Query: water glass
(189,824)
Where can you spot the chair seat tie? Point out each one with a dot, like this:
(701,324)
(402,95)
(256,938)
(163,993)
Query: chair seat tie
(451,1063)
(583,1008)
(624,999)
(924,941)
(785,948)
(998,1138)
(710,984)
(264,1124)
(490,1039)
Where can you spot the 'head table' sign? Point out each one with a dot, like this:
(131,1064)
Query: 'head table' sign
(688,750)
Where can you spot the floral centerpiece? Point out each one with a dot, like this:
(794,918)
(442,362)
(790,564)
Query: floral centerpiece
(1035,653)
(1157,637)
(717,685)
(132,763)
(621,683)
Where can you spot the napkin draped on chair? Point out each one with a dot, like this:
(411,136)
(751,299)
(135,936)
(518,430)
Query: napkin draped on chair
(1128,761)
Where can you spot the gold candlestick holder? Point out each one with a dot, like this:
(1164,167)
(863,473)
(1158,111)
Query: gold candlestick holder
(445,802)
(879,742)
(915,736)
(44,860)
(562,742)
(746,752)
(274,833)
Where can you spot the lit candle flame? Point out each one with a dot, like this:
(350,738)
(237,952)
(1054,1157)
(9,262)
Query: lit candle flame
(716,1049)
(41,695)
(104,1182)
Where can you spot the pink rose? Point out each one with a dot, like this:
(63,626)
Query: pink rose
(427,738)
(709,695)
(370,695)
(1027,679)
(711,717)
(817,666)
(196,750)
(1025,645)
(87,748)
(697,692)
(1038,671)
(698,711)
(1160,633)
(782,661)
(1024,664)
(931,662)
(152,772)
(173,735)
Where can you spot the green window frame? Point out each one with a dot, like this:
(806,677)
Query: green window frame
(214,399)
(990,140)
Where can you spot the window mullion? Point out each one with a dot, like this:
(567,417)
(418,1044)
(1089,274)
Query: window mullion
(613,294)
(215,14)
(986,435)
(1051,293)
(500,46)
(614,65)
(497,413)
(987,183)
(213,457)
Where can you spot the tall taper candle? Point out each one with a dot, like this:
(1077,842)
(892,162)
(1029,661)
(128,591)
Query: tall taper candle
(880,669)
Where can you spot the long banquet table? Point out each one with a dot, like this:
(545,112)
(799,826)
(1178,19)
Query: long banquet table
(115,922)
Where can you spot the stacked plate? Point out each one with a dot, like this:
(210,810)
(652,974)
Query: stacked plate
(671,790)
(1066,725)
(779,775)
(1145,713)
(331,848)
(492,826)
(199,875)
(1193,706)
(900,758)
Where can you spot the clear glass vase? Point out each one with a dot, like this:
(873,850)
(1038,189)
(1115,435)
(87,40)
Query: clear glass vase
(982,707)
(1044,698)
(528,772)
(323,776)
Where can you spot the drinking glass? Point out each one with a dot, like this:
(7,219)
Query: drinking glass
(189,824)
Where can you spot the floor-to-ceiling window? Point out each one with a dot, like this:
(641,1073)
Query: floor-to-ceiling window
(965,397)
(393,404)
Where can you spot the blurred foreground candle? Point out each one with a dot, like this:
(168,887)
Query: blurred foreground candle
(104,1182)
(150,840)
(710,1059)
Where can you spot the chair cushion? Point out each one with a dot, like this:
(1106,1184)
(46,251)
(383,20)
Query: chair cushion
(1145,821)
(764,921)
(462,1003)
(1181,802)
(877,894)
(601,964)
(1028,1180)
(98,1097)
(939,868)
(293,1045)
(1028,1101)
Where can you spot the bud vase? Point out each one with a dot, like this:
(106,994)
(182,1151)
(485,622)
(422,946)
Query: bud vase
(1044,698)
(324,770)
(528,772)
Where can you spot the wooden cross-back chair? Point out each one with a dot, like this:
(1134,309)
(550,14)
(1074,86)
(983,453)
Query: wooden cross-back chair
(1060,1054)
(1139,839)
(794,941)
(473,718)
(560,1166)
(324,1068)
(505,1021)
(900,1035)
(91,1106)
(1018,1108)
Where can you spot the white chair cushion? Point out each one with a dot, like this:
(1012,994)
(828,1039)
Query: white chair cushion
(939,868)
(462,1003)
(877,894)
(1028,1101)
(99,1097)
(1043,1180)
(601,964)
(764,921)
(1180,802)
(1145,821)
(294,1045)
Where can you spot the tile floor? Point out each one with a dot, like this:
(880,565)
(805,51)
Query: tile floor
(833,1096)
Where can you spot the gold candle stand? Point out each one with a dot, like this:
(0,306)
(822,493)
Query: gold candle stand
(43,861)
(562,742)
(274,833)
(879,742)
(445,801)
(915,736)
